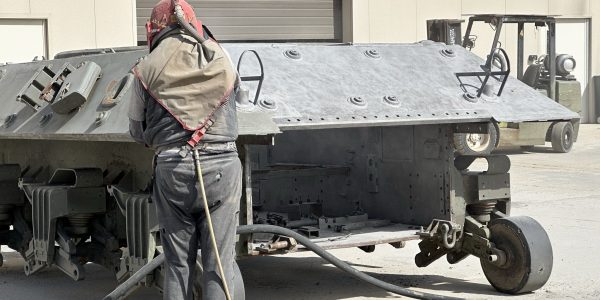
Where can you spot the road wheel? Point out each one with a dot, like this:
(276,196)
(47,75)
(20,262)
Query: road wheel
(528,262)
(562,137)
(477,143)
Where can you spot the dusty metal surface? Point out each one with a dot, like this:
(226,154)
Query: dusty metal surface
(320,86)
(309,91)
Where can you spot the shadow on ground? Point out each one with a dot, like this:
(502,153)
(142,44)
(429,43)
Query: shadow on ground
(313,278)
(519,151)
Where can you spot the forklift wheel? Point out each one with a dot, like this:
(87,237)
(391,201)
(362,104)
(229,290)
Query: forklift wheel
(477,143)
(528,255)
(562,137)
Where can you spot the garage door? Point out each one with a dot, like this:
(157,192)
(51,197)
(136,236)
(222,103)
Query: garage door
(246,20)
(22,40)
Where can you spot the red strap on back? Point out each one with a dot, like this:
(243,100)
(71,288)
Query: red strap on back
(199,134)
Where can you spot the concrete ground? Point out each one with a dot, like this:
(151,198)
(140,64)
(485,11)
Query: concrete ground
(561,191)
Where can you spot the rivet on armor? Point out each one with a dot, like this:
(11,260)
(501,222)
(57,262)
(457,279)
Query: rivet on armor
(448,52)
(373,53)
(357,101)
(471,97)
(391,100)
(267,103)
(293,54)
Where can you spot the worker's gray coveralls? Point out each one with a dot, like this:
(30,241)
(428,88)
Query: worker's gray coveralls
(177,195)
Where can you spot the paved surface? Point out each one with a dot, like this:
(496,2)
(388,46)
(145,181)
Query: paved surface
(561,191)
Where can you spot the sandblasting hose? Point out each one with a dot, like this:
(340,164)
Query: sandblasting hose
(210,224)
(122,290)
(259,228)
(187,26)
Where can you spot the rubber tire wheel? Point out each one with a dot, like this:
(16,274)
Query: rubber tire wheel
(462,148)
(529,255)
(562,137)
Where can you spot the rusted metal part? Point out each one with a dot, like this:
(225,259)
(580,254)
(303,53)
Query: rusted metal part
(279,244)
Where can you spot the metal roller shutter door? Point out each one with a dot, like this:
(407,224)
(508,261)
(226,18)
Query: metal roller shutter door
(261,19)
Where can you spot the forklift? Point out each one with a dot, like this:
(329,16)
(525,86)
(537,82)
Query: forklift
(549,74)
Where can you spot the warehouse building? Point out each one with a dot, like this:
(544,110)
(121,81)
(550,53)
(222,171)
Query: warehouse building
(42,28)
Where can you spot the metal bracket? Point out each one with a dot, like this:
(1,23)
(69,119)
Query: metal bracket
(487,73)
(141,227)
(75,194)
(446,232)
(41,81)
(430,252)
(476,241)
(260,78)
(65,90)
(440,237)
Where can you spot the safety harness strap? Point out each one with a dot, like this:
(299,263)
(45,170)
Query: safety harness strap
(199,134)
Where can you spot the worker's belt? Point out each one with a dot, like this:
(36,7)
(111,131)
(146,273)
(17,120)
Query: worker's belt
(202,147)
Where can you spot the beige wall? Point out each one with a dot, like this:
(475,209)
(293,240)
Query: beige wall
(78,24)
(393,21)
(13,32)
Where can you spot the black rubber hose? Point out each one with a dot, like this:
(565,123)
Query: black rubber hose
(130,284)
(126,287)
(185,25)
(259,228)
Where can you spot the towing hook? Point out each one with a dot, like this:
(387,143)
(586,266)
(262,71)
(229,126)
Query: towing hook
(447,233)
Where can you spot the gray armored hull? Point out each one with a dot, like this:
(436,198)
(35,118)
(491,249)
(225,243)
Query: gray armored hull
(305,87)
(367,147)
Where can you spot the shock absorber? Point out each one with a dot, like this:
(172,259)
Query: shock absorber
(79,223)
(482,210)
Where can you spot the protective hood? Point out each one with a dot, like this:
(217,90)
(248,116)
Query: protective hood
(189,79)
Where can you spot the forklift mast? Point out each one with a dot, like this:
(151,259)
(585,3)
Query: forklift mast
(497,21)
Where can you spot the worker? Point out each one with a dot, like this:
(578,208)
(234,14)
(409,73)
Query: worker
(183,100)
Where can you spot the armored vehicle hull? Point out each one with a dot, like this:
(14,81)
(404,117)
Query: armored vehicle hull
(350,145)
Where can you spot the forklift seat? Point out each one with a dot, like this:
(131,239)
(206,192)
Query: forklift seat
(532,75)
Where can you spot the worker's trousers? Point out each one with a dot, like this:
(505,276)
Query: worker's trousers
(183,225)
